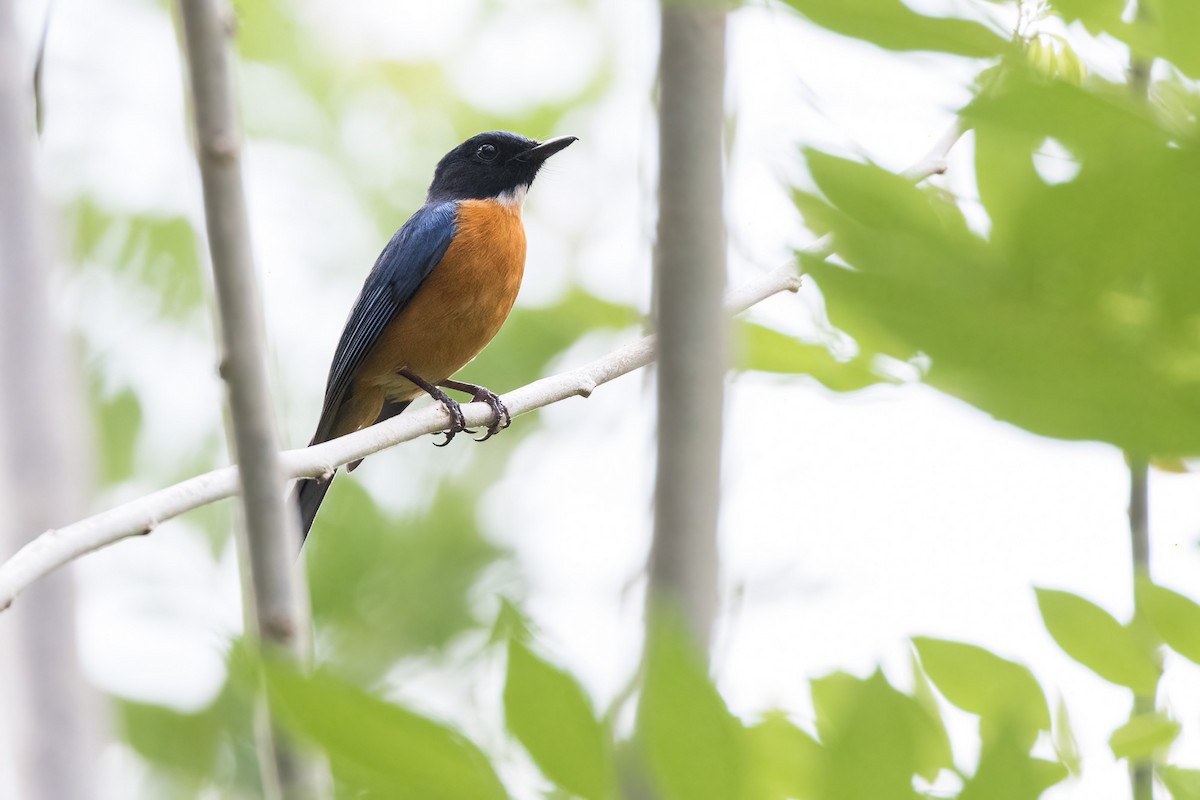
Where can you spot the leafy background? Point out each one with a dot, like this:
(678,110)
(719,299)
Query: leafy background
(913,444)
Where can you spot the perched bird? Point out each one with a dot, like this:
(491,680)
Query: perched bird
(438,293)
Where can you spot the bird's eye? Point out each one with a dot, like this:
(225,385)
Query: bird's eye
(486,152)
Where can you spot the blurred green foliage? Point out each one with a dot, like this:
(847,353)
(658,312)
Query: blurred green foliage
(383,588)
(160,253)
(378,749)
(1094,638)
(117,420)
(764,349)
(550,714)
(867,740)
(1075,316)
(1004,695)
(213,747)
(689,739)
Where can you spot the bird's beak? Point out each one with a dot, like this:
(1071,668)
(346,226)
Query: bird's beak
(546,149)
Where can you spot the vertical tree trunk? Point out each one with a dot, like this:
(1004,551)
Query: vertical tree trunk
(689,290)
(42,453)
(272,541)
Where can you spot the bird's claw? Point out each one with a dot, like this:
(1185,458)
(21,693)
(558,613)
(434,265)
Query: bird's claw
(501,418)
(457,423)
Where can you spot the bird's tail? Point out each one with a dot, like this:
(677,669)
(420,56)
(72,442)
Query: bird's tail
(309,492)
(307,497)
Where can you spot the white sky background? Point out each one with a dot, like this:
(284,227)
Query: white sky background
(849,524)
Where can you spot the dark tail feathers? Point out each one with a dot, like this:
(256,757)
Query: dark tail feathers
(310,492)
(307,497)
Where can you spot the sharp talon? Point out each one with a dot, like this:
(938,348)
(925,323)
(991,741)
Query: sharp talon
(501,418)
(457,423)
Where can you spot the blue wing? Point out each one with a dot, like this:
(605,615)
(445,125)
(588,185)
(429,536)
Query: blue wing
(405,262)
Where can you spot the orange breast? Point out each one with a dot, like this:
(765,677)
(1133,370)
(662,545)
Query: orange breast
(458,309)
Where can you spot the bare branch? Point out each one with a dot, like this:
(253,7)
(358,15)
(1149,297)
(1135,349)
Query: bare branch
(934,162)
(55,548)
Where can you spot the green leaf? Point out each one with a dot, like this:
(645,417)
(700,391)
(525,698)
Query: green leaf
(924,695)
(1175,617)
(1143,736)
(869,722)
(881,200)
(692,745)
(1183,784)
(783,759)
(548,711)
(1066,746)
(379,746)
(893,25)
(766,350)
(983,683)
(180,742)
(1006,772)
(1091,636)
(814,210)
(511,624)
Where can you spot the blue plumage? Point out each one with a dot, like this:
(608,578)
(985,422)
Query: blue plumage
(405,262)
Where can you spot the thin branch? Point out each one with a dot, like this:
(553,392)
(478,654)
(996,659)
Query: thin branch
(55,548)
(1141,770)
(934,162)
(280,610)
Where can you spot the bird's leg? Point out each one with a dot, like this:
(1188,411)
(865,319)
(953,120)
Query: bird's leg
(501,419)
(457,423)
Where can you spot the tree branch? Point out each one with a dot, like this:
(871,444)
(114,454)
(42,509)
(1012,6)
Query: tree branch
(55,548)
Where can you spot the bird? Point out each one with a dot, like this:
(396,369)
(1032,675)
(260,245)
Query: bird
(438,293)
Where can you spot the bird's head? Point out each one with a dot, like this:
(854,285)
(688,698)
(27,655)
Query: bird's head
(494,164)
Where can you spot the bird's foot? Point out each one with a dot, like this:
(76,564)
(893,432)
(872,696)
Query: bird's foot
(457,423)
(501,418)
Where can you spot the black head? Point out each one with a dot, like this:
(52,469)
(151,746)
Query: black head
(491,164)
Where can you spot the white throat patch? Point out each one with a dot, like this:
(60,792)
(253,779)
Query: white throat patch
(514,198)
